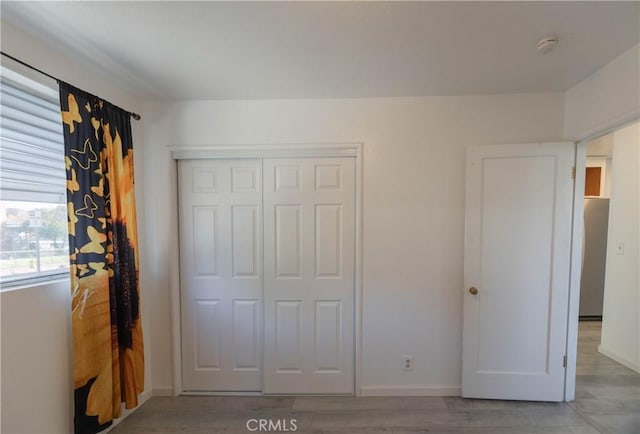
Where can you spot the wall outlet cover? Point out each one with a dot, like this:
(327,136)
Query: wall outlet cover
(407,362)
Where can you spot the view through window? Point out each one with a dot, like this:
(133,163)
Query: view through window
(33,211)
(34,239)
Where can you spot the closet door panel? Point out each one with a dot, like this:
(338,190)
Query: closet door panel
(221,274)
(309,240)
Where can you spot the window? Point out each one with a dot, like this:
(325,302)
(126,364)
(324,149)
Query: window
(33,219)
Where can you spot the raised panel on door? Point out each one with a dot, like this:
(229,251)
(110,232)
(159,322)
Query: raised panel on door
(203,240)
(309,240)
(328,336)
(207,334)
(245,335)
(328,241)
(288,344)
(288,241)
(244,241)
(221,274)
(518,228)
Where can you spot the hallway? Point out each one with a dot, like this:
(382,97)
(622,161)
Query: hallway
(607,393)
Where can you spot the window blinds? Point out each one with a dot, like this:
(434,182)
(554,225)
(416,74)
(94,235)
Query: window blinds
(31,143)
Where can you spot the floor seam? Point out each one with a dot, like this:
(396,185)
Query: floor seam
(586,417)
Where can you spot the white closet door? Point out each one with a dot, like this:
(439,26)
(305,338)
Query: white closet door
(221,274)
(309,254)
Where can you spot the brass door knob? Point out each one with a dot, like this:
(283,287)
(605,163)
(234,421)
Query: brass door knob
(473,290)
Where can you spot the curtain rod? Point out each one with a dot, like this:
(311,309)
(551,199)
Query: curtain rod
(135,116)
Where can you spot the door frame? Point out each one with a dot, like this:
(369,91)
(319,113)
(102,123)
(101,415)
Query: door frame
(577,237)
(298,150)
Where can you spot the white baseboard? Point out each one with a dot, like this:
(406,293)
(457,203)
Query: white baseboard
(163,391)
(617,358)
(183,393)
(413,390)
(145,396)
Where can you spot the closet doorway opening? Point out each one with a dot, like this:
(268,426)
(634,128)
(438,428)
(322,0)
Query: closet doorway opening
(269,271)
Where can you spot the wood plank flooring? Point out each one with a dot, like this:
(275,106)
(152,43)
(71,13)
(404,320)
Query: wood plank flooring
(607,393)
(607,401)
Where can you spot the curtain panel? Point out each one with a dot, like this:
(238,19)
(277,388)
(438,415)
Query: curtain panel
(108,358)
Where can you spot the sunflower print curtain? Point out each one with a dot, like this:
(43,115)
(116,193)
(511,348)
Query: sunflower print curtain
(108,359)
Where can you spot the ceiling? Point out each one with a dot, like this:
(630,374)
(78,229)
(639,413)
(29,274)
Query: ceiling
(247,50)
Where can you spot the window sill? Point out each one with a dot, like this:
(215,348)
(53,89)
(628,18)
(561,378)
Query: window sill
(34,282)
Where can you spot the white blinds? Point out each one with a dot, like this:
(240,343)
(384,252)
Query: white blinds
(31,143)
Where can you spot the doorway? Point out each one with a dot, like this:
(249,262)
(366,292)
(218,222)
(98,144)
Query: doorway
(609,316)
(597,193)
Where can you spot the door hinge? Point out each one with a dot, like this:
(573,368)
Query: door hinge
(564,361)
(573,172)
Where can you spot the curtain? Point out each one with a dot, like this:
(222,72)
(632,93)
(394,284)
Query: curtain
(108,361)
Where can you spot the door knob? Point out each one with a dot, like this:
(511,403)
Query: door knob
(473,290)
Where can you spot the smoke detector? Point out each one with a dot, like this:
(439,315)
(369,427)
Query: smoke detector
(547,44)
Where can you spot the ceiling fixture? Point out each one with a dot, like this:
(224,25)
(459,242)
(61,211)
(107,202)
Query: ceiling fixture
(547,44)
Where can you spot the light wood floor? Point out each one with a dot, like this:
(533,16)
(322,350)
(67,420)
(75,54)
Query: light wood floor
(607,401)
(607,393)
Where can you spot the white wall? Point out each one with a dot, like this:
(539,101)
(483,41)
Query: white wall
(621,311)
(413,209)
(36,335)
(37,382)
(605,99)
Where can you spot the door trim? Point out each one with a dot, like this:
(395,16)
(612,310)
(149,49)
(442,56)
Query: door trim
(575,271)
(266,151)
(294,150)
(577,235)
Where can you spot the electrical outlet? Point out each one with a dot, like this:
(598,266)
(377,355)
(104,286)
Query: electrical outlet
(407,363)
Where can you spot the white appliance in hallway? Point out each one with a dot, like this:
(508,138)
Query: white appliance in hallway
(267,275)
(594,258)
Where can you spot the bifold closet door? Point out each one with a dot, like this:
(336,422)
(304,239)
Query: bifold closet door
(309,251)
(221,274)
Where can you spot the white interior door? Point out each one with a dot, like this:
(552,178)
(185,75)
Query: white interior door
(221,274)
(309,255)
(517,256)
